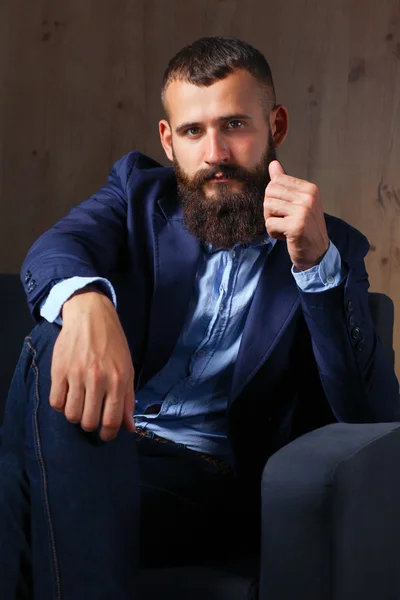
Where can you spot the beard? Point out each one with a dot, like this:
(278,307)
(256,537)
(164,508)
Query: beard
(225,218)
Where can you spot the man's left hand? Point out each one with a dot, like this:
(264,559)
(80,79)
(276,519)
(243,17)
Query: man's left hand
(293,212)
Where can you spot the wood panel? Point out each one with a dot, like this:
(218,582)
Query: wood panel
(80,80)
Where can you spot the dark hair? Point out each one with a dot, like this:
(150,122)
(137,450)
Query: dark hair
(211,59)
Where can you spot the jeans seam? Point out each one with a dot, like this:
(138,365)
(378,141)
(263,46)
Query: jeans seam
(43,473)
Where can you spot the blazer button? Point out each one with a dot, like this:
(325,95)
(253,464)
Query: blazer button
(28,276)
(350,307)
(355,333)
(31,286)
(360,345)
(352,321)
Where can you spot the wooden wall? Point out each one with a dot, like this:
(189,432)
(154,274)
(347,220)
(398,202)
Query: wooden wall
(79,83)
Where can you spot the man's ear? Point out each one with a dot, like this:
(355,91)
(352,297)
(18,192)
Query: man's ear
(166,138)
(279,124)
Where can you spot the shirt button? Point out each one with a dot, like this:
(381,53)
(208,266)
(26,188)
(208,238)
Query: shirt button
(201,354)
(174,400)
(330,279)
(221,308)
(233,254)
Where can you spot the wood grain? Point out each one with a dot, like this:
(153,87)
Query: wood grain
(80,81)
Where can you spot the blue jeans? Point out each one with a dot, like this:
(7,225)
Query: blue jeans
(78,515)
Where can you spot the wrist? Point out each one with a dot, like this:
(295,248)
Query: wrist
(84,300)
(302,265)
(305,266)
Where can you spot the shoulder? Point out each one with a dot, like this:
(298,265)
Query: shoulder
(136,166)
(144,183)
(350,242)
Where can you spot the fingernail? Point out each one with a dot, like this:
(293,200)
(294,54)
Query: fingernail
(108,434)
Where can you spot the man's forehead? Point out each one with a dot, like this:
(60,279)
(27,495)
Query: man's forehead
(233,94)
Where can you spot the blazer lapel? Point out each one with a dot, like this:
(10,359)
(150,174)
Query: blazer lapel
(176,255)
(275,301)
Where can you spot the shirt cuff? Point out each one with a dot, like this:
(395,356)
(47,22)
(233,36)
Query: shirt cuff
(328,274)
(64,289)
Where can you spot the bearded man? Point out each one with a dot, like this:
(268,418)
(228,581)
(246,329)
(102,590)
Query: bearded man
(192,320)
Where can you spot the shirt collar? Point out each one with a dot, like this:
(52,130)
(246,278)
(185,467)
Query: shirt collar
(259,241)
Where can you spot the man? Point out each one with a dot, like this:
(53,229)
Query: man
(243,322)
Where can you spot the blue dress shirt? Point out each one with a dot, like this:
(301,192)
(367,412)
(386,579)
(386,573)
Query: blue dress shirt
(186,401)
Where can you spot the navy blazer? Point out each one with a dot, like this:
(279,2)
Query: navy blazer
(306,359)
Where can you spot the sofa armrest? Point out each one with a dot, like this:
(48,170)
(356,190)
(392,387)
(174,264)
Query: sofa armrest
(331,515)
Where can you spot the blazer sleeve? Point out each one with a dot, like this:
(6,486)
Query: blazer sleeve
(358,379)
(88,242)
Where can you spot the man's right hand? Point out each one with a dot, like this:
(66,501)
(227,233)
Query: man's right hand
(92,373)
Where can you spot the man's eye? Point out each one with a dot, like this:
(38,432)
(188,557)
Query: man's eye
(192,131)
(235,124)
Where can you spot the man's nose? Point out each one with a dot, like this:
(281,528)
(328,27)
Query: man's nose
(217,149)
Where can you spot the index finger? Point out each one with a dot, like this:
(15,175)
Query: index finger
(58,392)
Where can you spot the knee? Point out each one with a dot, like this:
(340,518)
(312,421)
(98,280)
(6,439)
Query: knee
(31,380)
(42,338)
(37,351)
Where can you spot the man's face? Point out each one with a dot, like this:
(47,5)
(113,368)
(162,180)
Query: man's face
(219,140)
